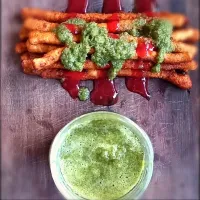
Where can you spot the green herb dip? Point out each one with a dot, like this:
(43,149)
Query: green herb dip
(101,159)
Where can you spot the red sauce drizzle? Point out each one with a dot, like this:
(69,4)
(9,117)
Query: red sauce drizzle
(72,28)
(77,6)
(114,17)
(144,48)
(71,82)
(146,6)
(71,86)
(113,26)
(104,93)
(138,85)
(114,36)
(111,6)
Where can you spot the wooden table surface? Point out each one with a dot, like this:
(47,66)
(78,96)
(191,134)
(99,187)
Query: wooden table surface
(34,110)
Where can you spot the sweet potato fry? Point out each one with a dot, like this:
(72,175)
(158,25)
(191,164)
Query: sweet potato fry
(128,64)
(20,47)
(40,48)
(38,37)
(28,55)
(40,25)
(176,19)
(182,81)
(48,59)
(186,35)
(23,34)
(183,47)
(54,56)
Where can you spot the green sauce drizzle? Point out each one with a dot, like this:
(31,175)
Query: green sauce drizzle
(160,31)
(106,50)
(64,35)
(109,50)
(76,21)
(83,93)
(73,58)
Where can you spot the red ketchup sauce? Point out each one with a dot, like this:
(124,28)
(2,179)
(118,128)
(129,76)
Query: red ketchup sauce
(72,28)
(114,36)
(71,82)
(144,48)
(113,26)
(146,6)
(77,6)
(138,85)
(104,93)
(111,6)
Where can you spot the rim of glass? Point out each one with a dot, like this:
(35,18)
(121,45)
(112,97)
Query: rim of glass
(145,178)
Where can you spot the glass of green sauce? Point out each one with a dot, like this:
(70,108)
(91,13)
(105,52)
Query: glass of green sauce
(101,156)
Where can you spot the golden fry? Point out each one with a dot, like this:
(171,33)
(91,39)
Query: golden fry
(40,48)
(186,35)
(48,59)
(20,47)
(178,20)
(182,81)
(23,34)
(40,25)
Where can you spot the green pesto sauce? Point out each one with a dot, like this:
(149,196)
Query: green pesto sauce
(106,50)
(74,57)
(160,31)
(138,25)
(64,35)
(76,21)
(83,93)
(101,159)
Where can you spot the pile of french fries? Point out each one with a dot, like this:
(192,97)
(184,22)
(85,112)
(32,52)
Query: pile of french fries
(41,50)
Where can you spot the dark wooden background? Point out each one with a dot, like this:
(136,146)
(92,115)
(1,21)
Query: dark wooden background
(33,110)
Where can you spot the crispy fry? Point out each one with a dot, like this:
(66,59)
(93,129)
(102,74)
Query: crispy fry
(40,48)
(38,37)
(23,34)
(54,56)
(28,55)
(128,64)
(40,25)
(186,35)
(20,47)
(182,81)
(176,19)
(48,59)
(183,47)
(124,25)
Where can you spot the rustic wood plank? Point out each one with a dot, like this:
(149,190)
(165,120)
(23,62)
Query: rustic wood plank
(34,110)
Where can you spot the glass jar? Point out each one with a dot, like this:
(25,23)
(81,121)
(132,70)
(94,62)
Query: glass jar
(145,178)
